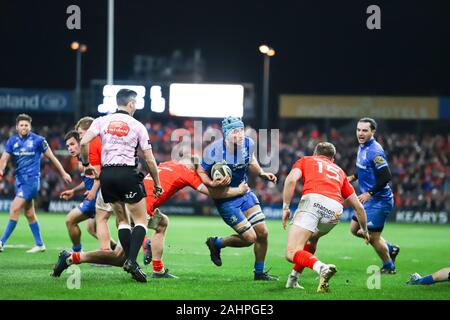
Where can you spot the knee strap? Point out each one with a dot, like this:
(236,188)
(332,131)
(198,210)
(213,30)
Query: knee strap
(257,217)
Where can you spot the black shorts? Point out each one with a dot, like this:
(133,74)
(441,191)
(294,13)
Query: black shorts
(121,184)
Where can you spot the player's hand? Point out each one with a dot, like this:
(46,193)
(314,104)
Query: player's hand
(351,178)
(90,172)
(244,188)
(67,178)
(269,176)
(364,197)
(366,236)
(225,181)
(286,216)
(90,195)
(67,194)
(157,191)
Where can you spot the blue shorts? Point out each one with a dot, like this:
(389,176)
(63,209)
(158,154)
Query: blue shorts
(27,188)
(232,210)
(87,207)
(377,211)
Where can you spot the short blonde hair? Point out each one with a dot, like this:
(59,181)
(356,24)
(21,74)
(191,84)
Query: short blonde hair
(84,123)
(326,149)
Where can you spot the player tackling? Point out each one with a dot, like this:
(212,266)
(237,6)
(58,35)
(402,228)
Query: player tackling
(174,176)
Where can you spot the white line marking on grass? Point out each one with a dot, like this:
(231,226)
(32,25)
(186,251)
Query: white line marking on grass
(21,246)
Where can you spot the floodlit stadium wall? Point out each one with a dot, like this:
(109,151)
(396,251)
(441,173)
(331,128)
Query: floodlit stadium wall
(271,211)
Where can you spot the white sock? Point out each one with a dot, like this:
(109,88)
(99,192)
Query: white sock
(317,266)
(295,273)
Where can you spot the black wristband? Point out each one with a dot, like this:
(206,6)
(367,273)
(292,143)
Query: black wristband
(85,164)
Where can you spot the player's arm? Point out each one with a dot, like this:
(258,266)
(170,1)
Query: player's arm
(68,194)
(383,176)
(90,194)
(95,160)
(3,162)
(89,170)
(353,177)
(153,170)
(256,169)
(223,193)
(207,181)
(288,193)
(49,154)
(360,214)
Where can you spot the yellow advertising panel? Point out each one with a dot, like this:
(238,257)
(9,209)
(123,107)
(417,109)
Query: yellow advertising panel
(309,106)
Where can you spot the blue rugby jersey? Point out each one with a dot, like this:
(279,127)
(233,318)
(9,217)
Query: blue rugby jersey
(27,152)
(370,159)
(237,159)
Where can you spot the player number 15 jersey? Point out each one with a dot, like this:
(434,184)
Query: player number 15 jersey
(321,176)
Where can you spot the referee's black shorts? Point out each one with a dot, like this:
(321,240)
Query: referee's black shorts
(121,183)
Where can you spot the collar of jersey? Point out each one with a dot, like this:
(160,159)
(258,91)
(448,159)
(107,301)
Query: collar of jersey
(122,111)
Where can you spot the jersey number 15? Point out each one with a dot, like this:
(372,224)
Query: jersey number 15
(332,172)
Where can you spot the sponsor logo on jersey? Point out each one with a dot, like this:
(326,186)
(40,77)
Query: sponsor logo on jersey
(118,128)
(379,160)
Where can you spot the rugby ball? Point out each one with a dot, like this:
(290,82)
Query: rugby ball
(220,170)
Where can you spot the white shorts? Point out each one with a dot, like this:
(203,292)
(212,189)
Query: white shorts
(317,212)
(100,203)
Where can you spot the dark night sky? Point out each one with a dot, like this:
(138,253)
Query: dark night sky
(322,46)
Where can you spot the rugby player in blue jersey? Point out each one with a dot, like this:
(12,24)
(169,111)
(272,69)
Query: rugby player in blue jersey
(86,209)
(373,175)
(27,148)
(242,213)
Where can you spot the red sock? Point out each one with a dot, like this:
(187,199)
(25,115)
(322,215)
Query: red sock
(158,265)
(305,259)
(76,257)
(308,248)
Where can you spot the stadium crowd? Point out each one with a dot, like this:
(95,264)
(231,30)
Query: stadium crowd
(419,164)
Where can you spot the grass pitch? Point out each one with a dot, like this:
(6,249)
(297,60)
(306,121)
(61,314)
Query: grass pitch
(424,249)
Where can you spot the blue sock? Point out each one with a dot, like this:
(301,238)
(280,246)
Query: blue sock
(389,246)
(388,265)
(77,248)
(259,267)
(426,280)
(36,233)
(218,242)
(9,229)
